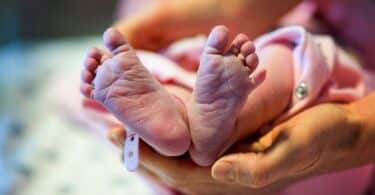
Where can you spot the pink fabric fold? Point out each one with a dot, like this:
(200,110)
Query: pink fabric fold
(329,74)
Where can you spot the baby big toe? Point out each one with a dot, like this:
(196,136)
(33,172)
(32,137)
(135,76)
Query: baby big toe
(217,40)
(115,41)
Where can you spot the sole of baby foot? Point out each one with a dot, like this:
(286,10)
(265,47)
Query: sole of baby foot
(223,84)
(126,88)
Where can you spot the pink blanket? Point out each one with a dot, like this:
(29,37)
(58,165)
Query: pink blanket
(323,72)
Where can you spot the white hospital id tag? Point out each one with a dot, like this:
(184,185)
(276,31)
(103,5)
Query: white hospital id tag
(131,151)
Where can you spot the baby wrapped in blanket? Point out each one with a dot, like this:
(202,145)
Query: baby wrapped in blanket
(240,86)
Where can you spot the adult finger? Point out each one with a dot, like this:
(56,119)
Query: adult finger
(286,157)
(117,135)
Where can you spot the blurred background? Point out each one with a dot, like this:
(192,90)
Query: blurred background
(43,147)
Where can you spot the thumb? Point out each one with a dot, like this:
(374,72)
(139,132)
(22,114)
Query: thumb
(249,169)
(259,169)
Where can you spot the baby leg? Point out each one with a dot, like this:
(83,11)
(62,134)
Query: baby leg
(273,96)
(124,86)
(222,87)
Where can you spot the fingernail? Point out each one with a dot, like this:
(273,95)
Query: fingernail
(223,171)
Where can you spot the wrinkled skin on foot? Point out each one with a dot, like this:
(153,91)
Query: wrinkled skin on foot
(124,86)
(184,175)
(270,163)
(181,175)
(222,87)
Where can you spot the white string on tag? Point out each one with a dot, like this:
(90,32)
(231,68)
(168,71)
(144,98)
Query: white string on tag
(131,151)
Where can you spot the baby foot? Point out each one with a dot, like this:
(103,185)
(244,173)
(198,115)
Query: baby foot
(222,86)
(124,86)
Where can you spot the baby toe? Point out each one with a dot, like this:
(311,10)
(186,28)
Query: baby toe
(217,40)
(252,61)
(257,78)
(247,48)
(91,64)
(87,76)
(95,53)
(114,40)
(87,90)
(237,43)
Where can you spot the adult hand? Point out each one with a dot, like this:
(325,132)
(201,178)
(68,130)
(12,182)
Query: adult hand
(158,23)
(322,139)
(182,175)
